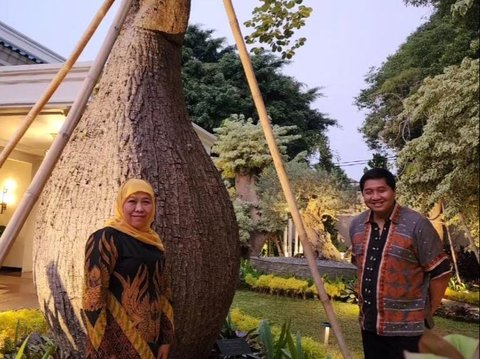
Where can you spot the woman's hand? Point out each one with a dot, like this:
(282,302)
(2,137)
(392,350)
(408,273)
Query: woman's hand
(163,351)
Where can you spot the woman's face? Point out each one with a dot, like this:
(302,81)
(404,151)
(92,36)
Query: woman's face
(137,209)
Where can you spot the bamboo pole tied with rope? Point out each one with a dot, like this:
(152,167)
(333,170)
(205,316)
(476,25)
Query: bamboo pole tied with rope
(43,173)
(282,175)
(56,82)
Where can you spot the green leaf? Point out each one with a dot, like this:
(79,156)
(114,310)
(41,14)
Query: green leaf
(19,354)
(265,336)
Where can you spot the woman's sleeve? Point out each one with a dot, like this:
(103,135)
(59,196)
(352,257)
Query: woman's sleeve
(100,258)
(166,320)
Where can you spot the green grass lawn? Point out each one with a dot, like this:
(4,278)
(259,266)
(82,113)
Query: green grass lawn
(307,316)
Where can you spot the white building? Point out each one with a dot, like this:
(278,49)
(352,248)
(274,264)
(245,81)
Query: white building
(26,70)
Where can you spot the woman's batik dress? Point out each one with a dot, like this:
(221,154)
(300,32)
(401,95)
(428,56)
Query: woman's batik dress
(126,299)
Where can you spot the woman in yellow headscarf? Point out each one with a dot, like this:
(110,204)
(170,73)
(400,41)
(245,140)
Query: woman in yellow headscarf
(126,302)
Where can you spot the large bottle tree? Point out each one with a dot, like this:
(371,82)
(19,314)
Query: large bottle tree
(137,126)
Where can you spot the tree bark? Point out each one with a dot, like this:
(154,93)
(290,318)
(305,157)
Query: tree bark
(245,186)
(137,126)
(317,235)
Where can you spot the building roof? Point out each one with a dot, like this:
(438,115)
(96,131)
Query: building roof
(21,87)
(28,68)
(12,41)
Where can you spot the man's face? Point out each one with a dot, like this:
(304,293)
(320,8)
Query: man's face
(378,196)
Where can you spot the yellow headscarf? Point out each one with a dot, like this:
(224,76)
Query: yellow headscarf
(146,234)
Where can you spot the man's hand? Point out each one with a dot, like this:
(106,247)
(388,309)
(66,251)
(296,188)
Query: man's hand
(163,351)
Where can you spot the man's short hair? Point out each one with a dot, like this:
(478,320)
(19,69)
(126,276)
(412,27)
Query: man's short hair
(378,173)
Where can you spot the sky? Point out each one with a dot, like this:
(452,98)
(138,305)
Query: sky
(345,39)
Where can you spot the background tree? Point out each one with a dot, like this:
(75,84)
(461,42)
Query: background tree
(423,103)
(443,163)
(137,125)
(215,88)
(442,41)
(275,22)
(242,154)
(378,161)
(320,196)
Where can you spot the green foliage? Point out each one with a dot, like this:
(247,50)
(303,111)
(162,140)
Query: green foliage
(318,194)
(295,349)
(348,293)
(243,322)
(441,42)
(443,163)
(465,296)
(423,102)
(461,7)
(307,316)
(277,338)
(337,289)
(215,87)
(245,222)
(284,346)
(246,269)
(228,330)
(378,161)
(455,285)
(274,24)
(250,280)
(231,331)
(21,350)
(242,153)
(241,146)
(18,323)
(265,336)
(24,334)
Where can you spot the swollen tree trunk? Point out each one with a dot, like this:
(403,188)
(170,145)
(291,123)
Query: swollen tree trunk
(245,187)
(137,126)
(316,233)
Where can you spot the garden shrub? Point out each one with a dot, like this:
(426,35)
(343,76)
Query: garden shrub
(463,296)
(335,289)
(276,285)
(247,271)
(312,348)
(28,321)
(294,287)
(263,283)
(250,280)
(312,291)
(247,323)
(243,322)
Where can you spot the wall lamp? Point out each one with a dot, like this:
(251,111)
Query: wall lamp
(3,204)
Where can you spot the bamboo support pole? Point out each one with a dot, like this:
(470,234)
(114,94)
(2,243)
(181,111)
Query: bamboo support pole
(33,192)
(277,160)
(56,81)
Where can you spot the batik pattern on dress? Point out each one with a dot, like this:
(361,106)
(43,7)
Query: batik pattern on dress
(125,288)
